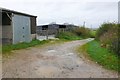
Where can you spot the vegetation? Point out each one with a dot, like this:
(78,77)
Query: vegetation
(109,37)
(9,48)
(93,33)
(101,55)
(82,31)
(105,48)
(76,34)
(103,29)
(67,36)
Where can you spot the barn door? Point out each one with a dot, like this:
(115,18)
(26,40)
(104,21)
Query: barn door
(26,29)
(21,29)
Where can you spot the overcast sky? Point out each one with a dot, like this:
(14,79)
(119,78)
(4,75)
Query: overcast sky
(93,12)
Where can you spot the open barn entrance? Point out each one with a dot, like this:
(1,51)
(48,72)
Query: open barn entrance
(6,28)
(62,28)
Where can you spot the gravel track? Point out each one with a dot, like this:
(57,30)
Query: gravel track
(53,61)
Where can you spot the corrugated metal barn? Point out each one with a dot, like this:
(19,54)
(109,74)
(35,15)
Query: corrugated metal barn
(17,27)
(51,29)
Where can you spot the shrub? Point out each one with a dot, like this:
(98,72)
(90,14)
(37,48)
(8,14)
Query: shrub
(82,31)
(115,46)
(76,33)
(92,33)
(103,29)
(108,35)
(67,36)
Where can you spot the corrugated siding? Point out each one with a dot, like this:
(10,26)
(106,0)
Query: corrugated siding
(21,29)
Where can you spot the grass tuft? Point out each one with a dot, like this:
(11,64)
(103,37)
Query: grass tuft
(101,55)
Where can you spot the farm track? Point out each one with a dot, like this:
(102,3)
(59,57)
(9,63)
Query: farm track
(53,61)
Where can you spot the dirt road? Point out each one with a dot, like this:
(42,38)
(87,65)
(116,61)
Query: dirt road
(53,61)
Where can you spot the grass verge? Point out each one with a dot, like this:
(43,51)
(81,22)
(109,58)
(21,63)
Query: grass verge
(101,55)
(9,48)
(68,36)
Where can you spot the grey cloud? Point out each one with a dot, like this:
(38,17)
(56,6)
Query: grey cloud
(71,11)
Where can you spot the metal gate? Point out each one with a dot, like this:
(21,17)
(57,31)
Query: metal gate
(21,29)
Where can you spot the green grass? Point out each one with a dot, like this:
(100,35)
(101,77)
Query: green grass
(0,49)
(93,33)
(101,55)
(68,36)
(9,48)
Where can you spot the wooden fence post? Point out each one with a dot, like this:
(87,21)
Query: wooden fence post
(47,34)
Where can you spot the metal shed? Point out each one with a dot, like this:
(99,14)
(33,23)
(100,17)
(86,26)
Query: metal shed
(17,27)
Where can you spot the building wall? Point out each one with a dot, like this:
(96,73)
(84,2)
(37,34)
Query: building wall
(21,29)
(51,29)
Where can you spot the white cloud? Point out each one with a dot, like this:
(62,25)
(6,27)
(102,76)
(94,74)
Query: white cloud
(94,12)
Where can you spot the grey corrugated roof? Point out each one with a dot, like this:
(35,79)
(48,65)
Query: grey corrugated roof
(12,11)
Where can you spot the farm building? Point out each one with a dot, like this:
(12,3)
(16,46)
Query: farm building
(51,29)
(17,27)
